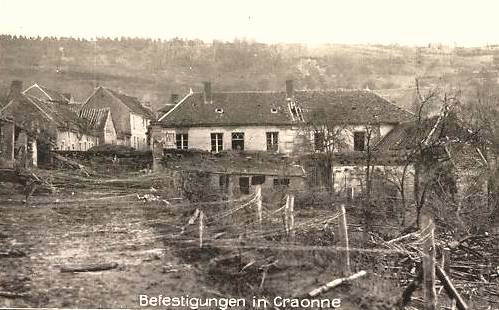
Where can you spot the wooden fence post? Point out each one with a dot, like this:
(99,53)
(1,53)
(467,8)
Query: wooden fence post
(292,217)
(446,260)
(343,238)
(430,295)
(201,228)
(258,195)
(286,215)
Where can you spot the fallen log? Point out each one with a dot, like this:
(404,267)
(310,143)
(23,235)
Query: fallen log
(12,253)
(410,235)
(89,267)
(450,289)
(72,164)
(12,295)
(326,287)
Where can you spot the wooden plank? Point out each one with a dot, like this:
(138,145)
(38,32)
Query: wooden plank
(89,267)
(326,287)
(13,295)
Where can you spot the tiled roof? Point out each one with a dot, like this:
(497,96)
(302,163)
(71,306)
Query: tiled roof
(132,103)
(231,108)
(271,108)
(351,107)
(96,118)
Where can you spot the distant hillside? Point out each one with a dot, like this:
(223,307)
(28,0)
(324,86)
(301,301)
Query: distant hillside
(153,69)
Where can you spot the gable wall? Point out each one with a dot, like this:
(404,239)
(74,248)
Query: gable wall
(109,134)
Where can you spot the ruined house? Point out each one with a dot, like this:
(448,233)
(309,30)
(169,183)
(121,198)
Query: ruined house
(7,130)
(130,117)
(446,156)
(42,126)
(291,122)
(46,94)
(232,174)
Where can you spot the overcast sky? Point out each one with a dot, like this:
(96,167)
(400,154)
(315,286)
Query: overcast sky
(417,22)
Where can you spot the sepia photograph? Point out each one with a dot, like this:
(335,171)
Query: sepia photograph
(236,154)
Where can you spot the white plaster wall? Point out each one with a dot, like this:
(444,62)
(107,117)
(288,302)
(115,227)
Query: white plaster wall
(255,137)
(109,132)
(138,129)
(69,141)
(347,133)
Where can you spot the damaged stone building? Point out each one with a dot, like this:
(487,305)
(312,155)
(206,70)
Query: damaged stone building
(45,120)
(296,124)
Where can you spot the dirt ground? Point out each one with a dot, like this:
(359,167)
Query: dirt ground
(97,227)
(80,227)
(46,236)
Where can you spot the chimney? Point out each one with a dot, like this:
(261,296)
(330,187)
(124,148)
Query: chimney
(289,89)
(174,99)
(207,92)
(16,88)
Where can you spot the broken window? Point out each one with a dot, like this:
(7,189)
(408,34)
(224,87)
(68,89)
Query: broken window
(238,141)
(279,182)
(272,141)
(359,141)
(182,140)
(217,144)
(319,141)
(257,180)
(244,185)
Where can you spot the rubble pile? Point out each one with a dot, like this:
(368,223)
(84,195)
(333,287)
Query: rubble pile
(474,265)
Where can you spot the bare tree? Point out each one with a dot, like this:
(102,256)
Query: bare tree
(422,141)
(328,138)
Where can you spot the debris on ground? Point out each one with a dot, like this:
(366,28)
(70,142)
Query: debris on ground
(89,267)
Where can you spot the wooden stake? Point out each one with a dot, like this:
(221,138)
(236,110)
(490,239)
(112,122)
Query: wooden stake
(292,217)
(286,215)
(430,294)
(343,237)
(201,228)
(258,194)
(446,259)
